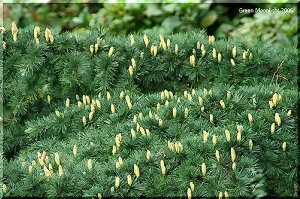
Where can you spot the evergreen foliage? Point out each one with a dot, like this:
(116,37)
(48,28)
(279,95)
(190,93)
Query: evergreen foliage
(57,100)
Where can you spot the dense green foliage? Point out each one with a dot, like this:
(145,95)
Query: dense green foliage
(66,68)
(95,73)
(221,20)
(273,29)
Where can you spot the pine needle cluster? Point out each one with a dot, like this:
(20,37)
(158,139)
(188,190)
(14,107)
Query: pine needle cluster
(147,115)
